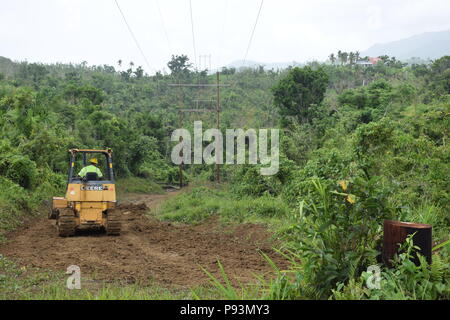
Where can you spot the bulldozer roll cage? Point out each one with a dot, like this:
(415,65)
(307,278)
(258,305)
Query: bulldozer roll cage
(72,177)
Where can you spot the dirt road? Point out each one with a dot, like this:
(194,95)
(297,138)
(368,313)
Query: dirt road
(147,249)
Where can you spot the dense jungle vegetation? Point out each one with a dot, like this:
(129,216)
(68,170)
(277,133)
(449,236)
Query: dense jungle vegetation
(358,145)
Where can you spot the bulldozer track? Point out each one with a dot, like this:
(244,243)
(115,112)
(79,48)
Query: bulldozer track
(66,223)
(114,224)
(148,250)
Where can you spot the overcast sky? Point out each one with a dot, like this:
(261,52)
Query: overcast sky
(288,30)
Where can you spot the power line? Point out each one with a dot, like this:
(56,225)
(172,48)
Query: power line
(132,35)
(199,85)
(164,26)
(221,38)
(193,35)
(253,32)
(234,82)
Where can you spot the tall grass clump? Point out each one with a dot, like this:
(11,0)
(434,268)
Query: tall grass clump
(202,202)
(334,233)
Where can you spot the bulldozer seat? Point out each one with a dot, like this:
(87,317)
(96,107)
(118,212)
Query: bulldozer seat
(90,169)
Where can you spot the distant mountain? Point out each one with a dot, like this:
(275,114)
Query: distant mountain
(429,45)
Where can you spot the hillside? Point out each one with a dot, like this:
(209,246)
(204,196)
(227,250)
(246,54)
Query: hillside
(6,66)
(357,146)
(429,45)
(422,47)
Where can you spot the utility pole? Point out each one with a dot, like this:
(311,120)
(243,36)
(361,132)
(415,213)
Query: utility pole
(182,110)
(197,101)
(206,63)
(180,115)
(181,140)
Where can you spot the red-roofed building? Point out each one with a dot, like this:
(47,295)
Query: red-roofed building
(368,63)
(374,60)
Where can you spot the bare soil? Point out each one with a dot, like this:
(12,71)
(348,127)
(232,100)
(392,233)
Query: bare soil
(147,249)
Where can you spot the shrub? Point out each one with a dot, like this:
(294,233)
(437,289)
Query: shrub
(19,169)
(248,181)
(336,232)
(14,202)
(405,281)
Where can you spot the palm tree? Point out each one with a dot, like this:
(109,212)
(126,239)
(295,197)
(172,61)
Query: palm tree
(351,58)
(344,57)
(332,58)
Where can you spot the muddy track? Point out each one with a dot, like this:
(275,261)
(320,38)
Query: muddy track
(147,249)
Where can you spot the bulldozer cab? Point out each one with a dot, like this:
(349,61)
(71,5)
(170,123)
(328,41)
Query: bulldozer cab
(90,200)
(79,158)
(91,187)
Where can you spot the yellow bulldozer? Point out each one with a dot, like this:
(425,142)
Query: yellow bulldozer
(90,201)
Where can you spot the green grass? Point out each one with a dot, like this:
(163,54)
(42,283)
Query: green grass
(118,291)
(15,203)
(201,203)
(138,185)
(58,291)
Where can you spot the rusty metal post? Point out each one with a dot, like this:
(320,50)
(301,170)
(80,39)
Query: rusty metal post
(396,232)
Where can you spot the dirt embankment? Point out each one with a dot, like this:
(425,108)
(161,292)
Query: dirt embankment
(147,249)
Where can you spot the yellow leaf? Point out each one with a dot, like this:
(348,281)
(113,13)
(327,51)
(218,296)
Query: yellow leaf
(351,198)
(343,184)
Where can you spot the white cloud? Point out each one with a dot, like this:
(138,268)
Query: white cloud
(288,30)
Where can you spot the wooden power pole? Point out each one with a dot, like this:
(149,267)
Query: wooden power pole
(218,85)
(182,155)
(218,125)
